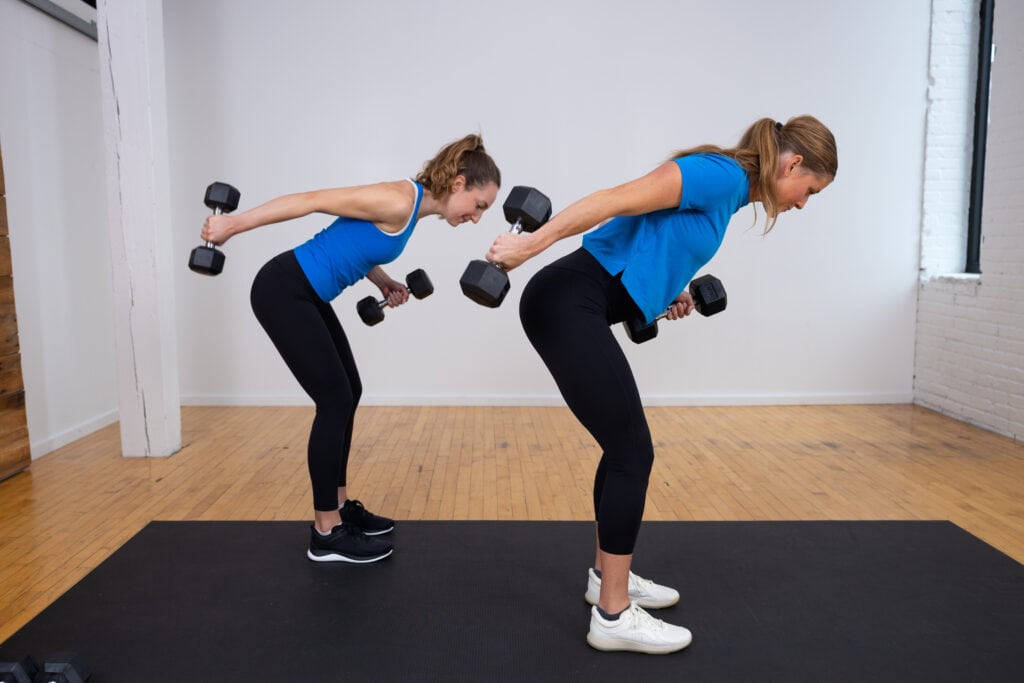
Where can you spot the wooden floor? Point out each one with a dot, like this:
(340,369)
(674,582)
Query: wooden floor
(75,506)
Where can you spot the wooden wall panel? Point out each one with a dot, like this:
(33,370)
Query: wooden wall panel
(5,255)
(15,453)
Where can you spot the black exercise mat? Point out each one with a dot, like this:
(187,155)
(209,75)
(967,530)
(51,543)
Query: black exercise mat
(488,601)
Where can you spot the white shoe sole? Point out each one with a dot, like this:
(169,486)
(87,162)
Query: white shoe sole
(335,557)
(606,644)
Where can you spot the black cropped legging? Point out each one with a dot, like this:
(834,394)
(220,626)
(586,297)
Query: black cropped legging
(567,309)
(309,337)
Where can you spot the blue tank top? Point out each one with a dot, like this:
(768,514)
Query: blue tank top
(349,248)
(658,253)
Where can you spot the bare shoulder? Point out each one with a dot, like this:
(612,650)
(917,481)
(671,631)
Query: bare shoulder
(399,196)
(387,204)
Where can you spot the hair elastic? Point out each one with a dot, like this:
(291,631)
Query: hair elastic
(778,126)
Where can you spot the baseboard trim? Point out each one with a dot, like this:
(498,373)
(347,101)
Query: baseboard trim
(51,443)
(552,400)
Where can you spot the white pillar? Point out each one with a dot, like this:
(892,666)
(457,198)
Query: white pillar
(130,37)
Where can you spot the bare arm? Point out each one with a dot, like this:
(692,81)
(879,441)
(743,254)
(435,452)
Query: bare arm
(659,189)
(385,204)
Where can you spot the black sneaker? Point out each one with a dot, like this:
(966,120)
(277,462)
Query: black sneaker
(346,543)
(353,512)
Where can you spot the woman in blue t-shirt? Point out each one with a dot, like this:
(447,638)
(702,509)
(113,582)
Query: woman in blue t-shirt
(291,297)
(663,227)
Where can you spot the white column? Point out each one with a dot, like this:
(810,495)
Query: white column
(135,121)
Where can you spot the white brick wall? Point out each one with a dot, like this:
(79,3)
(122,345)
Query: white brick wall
(970,338)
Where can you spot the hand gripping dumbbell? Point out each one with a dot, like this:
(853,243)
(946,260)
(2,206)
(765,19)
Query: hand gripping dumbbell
(487,283)
(708,298)
(207,259)
(372,311)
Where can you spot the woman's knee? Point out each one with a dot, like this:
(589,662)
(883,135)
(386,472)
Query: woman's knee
(632,456)
(335,398)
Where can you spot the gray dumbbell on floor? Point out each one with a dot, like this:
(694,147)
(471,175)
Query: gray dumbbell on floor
(206,259)
(486,283)
(372,311)
(708,298)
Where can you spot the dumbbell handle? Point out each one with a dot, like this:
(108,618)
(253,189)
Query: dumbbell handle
(216,212)
(516,229)
(384,302)
(659,317)
(665,313)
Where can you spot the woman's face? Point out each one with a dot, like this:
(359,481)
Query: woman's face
(794,184)
(468,204)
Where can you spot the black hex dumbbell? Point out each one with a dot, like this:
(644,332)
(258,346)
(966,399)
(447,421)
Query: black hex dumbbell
(708,298)
(60,667)
(486,283)
(22,671)
(372,311)
(207,259)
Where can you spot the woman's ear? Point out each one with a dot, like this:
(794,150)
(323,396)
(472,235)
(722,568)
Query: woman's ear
(794,163)
(458,184)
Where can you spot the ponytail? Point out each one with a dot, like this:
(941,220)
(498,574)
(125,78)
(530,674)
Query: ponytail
(466,157)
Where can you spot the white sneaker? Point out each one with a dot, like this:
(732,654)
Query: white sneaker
(645,592)
(637,631)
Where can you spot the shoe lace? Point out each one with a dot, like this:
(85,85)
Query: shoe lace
(639,584)
(644,620)
(355,510)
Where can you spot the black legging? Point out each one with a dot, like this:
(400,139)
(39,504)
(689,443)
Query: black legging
(309,337)
(567,309)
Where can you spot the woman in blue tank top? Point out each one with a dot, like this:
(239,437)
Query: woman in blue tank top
(291,297)
(661,229)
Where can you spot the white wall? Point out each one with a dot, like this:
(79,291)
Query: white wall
(570,97)
(51,132)
(970,344)
(278,97)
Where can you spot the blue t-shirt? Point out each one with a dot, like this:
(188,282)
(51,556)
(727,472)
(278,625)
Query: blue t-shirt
(658,253)
(349,248)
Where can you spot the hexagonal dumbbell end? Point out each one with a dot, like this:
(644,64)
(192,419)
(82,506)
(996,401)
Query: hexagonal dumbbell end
(64,667)
(419,284)
(206,260)
(370,310)
(639,331)
(527,207)
(708,295)
(222,196)
(485,283)
(22,671)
